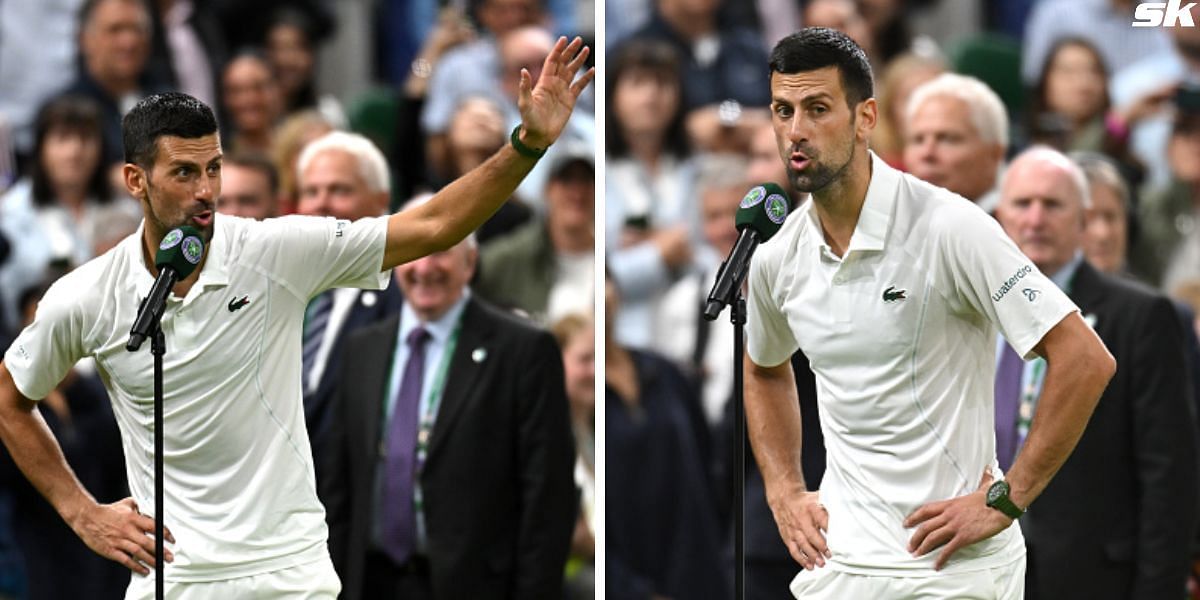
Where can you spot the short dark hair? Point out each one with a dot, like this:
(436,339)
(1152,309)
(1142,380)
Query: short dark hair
(256,162)
(170,113)
(815,48)
(81,116)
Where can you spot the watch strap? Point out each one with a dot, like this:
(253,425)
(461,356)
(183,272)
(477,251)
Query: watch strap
(523,149)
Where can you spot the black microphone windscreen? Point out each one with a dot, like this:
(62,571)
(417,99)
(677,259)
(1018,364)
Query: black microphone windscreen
(181,249)
(764,209)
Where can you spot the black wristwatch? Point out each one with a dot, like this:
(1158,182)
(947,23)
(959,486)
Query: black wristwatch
(997,498)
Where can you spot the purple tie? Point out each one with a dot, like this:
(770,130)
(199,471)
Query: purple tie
(1008,401)
(399,521)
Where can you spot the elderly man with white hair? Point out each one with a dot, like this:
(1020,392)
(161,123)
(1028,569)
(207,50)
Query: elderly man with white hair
(957,135)
(343,176)
(1117,520)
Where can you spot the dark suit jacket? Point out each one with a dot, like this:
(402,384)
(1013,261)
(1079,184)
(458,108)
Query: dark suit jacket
(499,495)
(1118,518)
(317,406)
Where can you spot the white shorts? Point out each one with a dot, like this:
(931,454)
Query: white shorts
(1001,583)
(311,581)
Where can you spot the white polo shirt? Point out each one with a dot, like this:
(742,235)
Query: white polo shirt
(240,494)
(901,337)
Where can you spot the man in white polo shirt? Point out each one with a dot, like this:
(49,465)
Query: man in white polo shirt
(895,289)
(241,505)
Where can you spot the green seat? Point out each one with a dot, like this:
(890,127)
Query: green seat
(996,60)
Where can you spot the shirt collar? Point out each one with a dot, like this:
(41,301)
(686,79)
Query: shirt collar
(870,232)
(439,329)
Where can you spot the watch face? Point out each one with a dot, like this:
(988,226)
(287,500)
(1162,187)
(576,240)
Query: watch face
(997,490)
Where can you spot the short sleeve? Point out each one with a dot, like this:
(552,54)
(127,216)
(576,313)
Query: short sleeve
(314,254)
(988,275)
(769,339)
(45,350)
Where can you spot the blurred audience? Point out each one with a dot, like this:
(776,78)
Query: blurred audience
(576,336)
(956,136)
(1071,109)
(899,78)
(189,38)
(65,193)
(1142,435)
(252,102)
(289,48)
(1168,215)
(291,136)
(546,268)
(472,68)
(1107,228)
(114,46)
(1107,24)
(656,548)
(249,186)
(648,208)
(681,333)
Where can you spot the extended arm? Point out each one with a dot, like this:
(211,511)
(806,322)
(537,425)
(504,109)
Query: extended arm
(115,531)
(465,204)
(773,420)
(1078,369)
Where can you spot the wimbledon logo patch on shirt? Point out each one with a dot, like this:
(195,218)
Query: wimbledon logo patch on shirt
(1011,282)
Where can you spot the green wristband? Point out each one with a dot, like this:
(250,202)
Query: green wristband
(522,149)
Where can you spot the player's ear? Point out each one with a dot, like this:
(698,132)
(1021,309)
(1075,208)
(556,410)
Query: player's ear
(868,114)
(135,178)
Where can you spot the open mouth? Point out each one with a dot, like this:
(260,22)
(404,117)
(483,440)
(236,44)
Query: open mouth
(203,219)
(798,161)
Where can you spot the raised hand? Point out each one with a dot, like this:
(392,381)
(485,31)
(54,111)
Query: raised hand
(545,107)
(120,533)
(955,523)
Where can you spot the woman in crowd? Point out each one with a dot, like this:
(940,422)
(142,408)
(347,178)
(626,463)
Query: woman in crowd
(649,209)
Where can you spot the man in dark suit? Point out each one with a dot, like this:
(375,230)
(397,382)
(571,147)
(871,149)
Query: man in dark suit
(344,176)
(1117,520)
(449,473)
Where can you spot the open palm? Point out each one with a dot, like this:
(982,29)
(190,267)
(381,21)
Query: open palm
(545,107)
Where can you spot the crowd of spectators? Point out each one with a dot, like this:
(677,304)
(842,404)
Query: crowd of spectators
(962,88)
(432,84)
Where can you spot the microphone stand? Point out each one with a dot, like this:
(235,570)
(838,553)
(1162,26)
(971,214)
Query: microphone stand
(158,347)
(737,315)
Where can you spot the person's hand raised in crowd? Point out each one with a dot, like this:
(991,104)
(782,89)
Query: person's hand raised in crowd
(1147,104)
(451,30)
(546,106)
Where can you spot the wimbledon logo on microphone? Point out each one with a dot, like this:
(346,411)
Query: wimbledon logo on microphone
(776,208)
(171,240)
(192,249)
(754,196)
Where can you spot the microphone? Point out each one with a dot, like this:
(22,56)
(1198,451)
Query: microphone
(178,255)
(760,214)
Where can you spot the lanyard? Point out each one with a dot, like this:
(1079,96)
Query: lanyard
(433,399)
(1033,386)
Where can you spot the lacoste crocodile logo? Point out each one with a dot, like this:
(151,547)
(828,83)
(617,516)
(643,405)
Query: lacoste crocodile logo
(236,304)
(892,296)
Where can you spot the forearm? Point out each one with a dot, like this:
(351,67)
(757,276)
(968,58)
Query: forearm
(457,210)
(37,453)
(774,426)
(1077,372)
